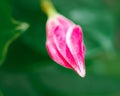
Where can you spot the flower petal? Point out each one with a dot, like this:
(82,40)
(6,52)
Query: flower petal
(60,41)
(55,55)
(66,23)
(76,46)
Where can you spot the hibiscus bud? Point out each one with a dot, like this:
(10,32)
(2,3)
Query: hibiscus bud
(65,43)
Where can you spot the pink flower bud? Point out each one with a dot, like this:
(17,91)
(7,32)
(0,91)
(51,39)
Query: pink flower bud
(65,43)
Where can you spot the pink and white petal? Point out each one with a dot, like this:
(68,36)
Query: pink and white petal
(60,42)
(50,27)
(75,44)
(55,55)
(64,21)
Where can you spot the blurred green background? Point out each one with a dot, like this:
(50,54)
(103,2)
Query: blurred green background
(27,69)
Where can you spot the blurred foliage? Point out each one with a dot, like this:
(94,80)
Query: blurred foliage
(28,70)
(10,29)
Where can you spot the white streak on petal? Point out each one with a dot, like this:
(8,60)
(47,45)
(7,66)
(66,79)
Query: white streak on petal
(79,65)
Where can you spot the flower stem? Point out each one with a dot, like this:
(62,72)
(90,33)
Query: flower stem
(48,7)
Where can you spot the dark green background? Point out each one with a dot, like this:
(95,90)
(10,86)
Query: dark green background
(27,69)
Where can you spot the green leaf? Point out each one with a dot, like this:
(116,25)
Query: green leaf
(7,36)
(34,37)
(9,29)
